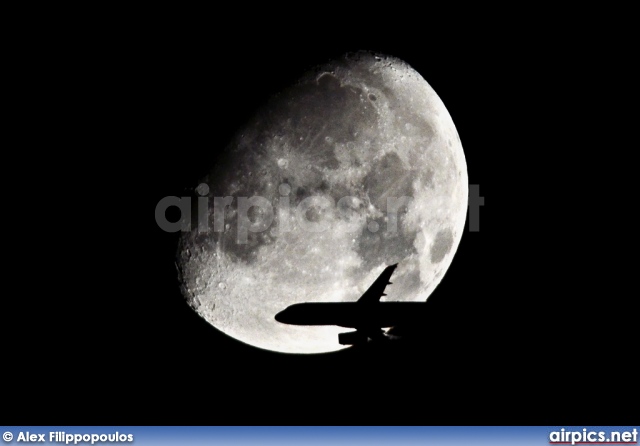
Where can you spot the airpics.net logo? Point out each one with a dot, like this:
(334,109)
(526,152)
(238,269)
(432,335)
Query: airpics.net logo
(264,212)
(586,436)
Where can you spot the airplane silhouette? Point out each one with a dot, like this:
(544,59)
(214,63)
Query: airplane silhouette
(368,315)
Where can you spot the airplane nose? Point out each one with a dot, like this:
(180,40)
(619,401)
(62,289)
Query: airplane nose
(286,316)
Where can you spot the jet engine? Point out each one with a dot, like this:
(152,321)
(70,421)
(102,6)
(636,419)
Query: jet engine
(352,338)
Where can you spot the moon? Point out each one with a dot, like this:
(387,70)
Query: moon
(356,166)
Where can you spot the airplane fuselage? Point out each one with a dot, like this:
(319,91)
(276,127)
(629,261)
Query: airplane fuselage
(353,314)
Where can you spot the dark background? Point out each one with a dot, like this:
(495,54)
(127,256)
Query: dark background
(523,327)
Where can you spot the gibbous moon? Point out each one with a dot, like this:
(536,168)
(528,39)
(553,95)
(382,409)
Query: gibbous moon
(355,167)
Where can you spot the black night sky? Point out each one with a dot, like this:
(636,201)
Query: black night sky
(516,335)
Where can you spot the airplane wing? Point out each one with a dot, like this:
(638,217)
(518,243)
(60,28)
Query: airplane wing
(376,290)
